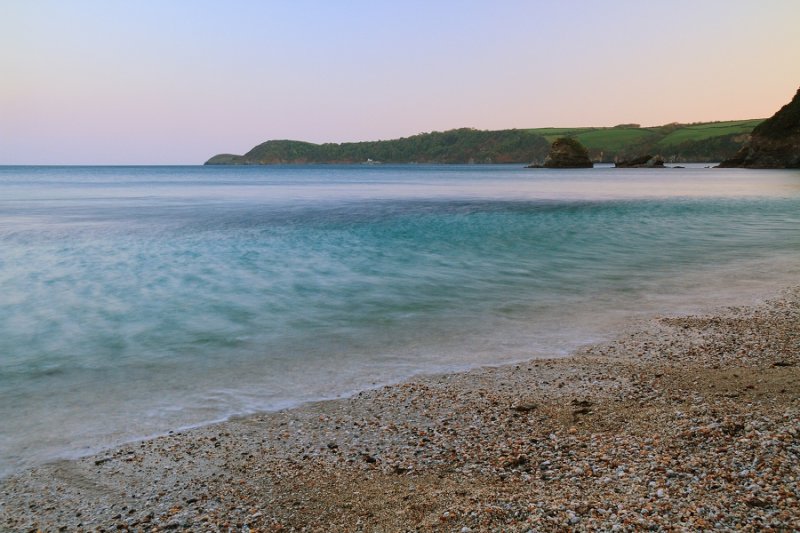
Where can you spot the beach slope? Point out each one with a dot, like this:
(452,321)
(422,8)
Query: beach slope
(683,423)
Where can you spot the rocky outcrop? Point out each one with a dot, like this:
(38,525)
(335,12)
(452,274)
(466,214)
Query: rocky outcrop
(645,161)
(775,143)
(567,153)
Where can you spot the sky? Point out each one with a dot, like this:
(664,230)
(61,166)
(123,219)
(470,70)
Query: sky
(177,81)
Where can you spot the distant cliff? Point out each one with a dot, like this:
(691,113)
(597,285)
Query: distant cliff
(701,142)
(775,143)
(455,146)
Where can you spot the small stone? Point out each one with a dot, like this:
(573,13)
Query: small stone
(524,407)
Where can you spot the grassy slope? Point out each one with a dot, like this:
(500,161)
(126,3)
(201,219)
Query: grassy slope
(620,137)
(699,132)
(616,140)
(670,140)
(600,138)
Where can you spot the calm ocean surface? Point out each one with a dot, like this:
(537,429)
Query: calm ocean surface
(137,300)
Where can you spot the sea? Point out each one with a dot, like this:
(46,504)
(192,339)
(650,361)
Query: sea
(135,301)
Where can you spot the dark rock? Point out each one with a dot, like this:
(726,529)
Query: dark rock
(519,460)
(732,428)
(567,153)
(756,502)
(524,407)
(645,161)
(775,143)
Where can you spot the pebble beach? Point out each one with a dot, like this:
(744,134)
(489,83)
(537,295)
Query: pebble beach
(679,424)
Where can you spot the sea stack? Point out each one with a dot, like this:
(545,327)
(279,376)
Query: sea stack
(567,153)
(775,143)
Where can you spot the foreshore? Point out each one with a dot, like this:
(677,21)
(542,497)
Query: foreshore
(682,423)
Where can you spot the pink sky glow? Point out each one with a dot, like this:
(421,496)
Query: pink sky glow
(153,82)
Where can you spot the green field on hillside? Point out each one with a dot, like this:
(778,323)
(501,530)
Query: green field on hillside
(619,137)
(700,132)
(707,141)
(615,140)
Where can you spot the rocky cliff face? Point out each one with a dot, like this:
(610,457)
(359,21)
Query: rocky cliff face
(775,143)
(567,153)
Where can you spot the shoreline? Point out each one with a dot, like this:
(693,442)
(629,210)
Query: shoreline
(688,422)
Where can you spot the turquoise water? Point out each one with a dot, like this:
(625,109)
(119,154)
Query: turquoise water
(137,300)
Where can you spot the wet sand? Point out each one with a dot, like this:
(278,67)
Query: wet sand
(681,423)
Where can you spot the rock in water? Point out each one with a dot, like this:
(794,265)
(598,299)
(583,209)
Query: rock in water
(567,153)
(775,143)
(645,161)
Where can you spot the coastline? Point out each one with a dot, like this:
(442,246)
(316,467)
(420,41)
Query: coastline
(687,422)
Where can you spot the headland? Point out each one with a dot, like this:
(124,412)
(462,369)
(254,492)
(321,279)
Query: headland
(696,142)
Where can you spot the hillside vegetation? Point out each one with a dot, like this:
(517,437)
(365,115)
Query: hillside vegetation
(454,146)
(701,142)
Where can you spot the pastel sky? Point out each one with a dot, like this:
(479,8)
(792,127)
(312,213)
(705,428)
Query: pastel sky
(175,82)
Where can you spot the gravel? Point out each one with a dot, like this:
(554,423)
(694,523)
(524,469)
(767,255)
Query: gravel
(683,423)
